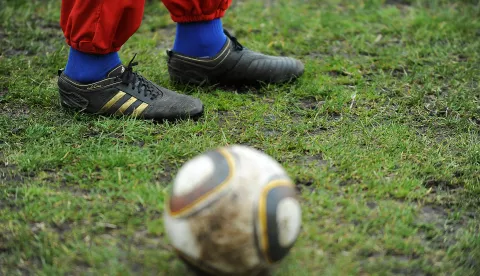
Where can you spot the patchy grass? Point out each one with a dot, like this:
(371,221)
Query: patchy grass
(381,136)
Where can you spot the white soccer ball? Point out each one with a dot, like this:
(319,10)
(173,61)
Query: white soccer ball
(232,211)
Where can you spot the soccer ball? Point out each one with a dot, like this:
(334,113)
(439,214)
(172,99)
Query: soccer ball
(232,211)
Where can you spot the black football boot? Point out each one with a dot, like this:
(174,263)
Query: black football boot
(233,65)
(126,93)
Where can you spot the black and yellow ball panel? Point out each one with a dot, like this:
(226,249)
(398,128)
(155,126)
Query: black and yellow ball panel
(267,238)
(224,166)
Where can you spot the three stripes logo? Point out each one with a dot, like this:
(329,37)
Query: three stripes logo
(124,104)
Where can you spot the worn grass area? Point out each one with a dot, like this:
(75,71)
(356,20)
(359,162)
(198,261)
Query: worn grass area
(381,135)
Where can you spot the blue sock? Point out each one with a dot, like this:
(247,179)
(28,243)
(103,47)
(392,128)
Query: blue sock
(200,39)
(88,68)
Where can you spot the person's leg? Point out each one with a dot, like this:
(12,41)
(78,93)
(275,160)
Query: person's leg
(204,54)
(96,30)
(200,39)
(95,81)
(199,26)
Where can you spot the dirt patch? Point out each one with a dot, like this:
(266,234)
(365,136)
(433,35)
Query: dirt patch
(349,181)
(4,248)
(310,103)
(269,129)
(16,52)
(440,185)
(399,72)
(63,228)
(92,131)
(446,192)
(475,120)
(338,73)
(437,107)
(269,118)
(140,240)
(372,204)
(315,160)
(335,116)
(367,54)
(432,214)
(10,178)
(462,58)
(3,92)
(438,229)
(61,182)
(271,132)
(404,266)
(408,271)
(39,36)
(304,184)
(10,174)
(225,117)
(138,143)
(389,93)
(15,111)
(167,175)
(399,2)
(318,130)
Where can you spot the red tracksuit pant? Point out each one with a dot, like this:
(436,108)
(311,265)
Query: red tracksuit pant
(103,26)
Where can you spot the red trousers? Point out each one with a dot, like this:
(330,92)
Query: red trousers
(103,26)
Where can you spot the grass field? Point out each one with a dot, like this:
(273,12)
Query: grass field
(381,135)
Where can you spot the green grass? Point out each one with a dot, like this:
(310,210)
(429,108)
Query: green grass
(382,136)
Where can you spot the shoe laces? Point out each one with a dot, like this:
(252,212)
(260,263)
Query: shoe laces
(136,80)
(236,45)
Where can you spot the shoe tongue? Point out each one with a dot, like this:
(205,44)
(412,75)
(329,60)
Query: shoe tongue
(117,71)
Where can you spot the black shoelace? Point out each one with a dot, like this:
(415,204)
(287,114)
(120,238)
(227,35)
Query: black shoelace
(237,46)
(136,80)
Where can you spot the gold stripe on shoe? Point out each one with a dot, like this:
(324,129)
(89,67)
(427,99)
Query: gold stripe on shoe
(139,110)
(125,106)
(112,101)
